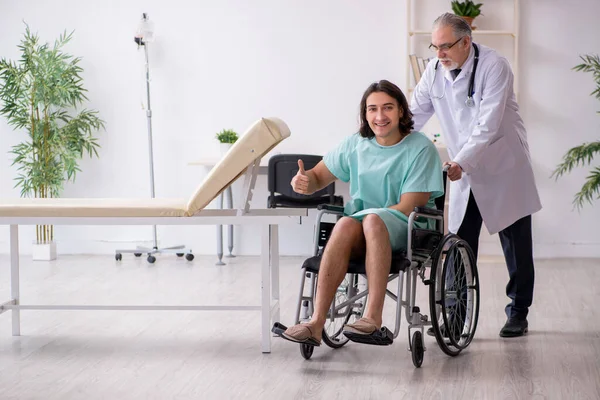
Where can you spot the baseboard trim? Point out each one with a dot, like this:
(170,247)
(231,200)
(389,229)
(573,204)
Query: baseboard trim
(486,248)
(546,250)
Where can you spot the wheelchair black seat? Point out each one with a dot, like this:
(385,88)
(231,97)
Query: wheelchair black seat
(357,266)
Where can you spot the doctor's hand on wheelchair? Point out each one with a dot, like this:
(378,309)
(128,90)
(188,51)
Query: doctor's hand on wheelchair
(454,170)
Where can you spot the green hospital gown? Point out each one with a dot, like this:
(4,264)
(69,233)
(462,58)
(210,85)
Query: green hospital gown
(379,175)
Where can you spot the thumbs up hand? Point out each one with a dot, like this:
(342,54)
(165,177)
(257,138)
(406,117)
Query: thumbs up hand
(301,182)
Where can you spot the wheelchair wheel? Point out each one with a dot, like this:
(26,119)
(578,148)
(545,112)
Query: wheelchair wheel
(306,351)
(337,317)
(417,349)
(454,295)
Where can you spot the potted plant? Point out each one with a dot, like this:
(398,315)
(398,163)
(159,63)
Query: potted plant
(226,138)
(39,94)
(584,154)
(467,10)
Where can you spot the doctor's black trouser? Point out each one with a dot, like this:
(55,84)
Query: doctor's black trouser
(516,243)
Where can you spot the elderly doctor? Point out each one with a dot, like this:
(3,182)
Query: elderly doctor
(470,89)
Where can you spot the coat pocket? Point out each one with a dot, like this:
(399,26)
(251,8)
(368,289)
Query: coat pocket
(498,157)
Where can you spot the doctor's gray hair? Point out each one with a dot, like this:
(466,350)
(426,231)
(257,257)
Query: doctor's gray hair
(459,26)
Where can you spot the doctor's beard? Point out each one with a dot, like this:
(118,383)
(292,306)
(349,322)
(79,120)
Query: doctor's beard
(453,64)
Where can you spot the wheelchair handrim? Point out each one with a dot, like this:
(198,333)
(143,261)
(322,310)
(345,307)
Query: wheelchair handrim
(469,324)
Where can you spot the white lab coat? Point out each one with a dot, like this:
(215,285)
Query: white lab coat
(488,140)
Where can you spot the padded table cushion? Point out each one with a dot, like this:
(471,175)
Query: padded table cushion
(92,207)
(257,141)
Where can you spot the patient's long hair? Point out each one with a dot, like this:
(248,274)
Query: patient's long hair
(406,122)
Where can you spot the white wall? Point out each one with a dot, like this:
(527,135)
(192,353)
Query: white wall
(225,64)
(560,114)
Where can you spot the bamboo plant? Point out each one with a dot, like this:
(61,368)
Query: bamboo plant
(38,95)
(584,154)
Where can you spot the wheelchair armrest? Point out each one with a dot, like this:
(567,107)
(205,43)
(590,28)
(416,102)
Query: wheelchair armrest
(425,241)
(428,211)
(330,207)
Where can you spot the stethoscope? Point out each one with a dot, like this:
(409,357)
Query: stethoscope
(469,102)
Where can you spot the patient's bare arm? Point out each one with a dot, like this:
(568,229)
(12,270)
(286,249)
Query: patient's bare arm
(408,202)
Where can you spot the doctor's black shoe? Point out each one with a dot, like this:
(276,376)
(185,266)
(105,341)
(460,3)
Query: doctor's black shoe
(514,327)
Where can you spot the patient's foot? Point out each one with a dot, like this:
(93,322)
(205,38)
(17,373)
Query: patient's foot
(364,326)
(309,333)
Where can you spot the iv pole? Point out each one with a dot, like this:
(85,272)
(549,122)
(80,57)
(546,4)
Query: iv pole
(143,37)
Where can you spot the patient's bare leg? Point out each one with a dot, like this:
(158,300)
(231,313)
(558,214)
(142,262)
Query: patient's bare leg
(378,261)
(346,239)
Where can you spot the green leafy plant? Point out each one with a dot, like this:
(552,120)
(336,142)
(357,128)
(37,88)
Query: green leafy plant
(584,154)
(38,94)
(466,8)
(227,136)
(591,63)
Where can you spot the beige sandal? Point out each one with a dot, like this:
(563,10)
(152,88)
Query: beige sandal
(301,333)
(364,326)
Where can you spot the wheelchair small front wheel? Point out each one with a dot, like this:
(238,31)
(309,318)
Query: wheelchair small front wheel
(417,349)
(306,350)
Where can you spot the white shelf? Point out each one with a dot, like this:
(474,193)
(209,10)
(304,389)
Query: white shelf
(411,8)
(475,33)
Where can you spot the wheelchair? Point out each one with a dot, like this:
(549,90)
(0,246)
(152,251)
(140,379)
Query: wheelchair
(444,263)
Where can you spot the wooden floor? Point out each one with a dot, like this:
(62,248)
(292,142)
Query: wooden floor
(216,355)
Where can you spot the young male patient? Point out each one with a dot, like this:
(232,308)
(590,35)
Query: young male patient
(391,170)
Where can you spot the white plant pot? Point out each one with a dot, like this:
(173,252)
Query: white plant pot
(225,147)
(44,251)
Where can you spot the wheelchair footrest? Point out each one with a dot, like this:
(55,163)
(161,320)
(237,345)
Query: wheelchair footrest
(381,337)
(278,328)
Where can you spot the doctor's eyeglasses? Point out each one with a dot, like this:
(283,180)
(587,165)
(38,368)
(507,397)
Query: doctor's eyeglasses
(443,47)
